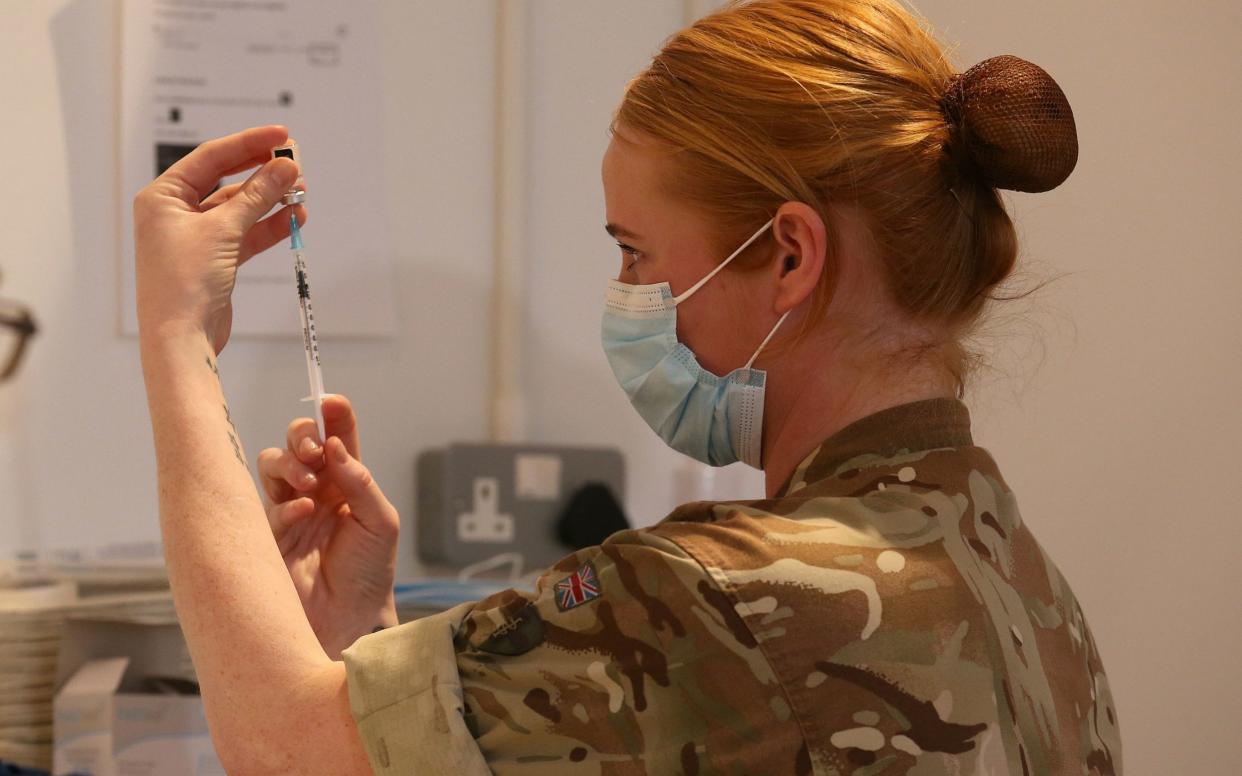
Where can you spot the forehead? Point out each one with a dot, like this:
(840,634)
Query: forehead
(629,165)
(635,193)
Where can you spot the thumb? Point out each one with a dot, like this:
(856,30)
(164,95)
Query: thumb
(261,192)
(365,499)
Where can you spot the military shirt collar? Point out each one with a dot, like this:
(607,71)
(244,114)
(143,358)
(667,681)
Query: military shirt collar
(920,425)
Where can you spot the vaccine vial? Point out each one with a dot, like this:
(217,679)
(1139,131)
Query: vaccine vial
(290,151)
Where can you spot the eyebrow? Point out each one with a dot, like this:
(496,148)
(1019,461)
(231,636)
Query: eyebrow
(619,231)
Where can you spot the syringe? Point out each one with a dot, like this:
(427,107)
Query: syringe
(309,340)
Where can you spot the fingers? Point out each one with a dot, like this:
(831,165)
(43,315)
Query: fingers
(283,475)
(219,196)
(339,420)
(196,173)
(366,502)
(260,193)
(302,439)
(284,516)
(270,231)
(225,193)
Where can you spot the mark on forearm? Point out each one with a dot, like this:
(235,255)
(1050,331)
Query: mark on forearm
(237,450)
(233,438)
(233,435)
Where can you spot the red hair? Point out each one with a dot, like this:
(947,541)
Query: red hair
(818,101)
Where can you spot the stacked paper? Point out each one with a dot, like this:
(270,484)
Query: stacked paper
(30,625)
(32,617)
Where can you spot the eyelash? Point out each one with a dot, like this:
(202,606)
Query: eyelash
(631,252)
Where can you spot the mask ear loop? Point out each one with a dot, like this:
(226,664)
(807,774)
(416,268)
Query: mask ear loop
(768,338)
(684,295)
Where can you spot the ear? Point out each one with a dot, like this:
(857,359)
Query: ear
(802,240)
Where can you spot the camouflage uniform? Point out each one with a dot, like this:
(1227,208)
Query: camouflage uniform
(887,612)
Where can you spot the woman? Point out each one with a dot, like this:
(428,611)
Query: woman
(805,198)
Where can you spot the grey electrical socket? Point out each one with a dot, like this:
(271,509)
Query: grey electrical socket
(478,500)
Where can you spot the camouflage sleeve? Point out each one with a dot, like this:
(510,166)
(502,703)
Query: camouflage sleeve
(405,696)
(626,658)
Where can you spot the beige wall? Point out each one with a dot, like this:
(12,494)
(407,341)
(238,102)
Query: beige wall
(1113,411)
(1117,433)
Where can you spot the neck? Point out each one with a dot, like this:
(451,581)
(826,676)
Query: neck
(807,402)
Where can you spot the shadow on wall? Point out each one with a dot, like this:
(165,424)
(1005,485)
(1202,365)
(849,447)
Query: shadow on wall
(87,414)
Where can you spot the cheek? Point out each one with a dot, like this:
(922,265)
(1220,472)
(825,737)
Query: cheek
(715,323)
(649,271)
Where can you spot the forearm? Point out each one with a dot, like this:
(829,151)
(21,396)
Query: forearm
(248,635)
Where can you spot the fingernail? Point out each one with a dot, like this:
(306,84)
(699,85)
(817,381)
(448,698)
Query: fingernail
(309,446)
(310,479)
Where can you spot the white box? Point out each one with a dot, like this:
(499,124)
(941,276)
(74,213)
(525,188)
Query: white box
(106,725)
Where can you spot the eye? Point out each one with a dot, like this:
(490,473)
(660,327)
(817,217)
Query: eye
(631,252)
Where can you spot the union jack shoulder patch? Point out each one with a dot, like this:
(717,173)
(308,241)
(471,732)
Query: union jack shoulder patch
(577,588)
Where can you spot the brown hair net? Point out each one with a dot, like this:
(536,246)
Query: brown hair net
(1010,125)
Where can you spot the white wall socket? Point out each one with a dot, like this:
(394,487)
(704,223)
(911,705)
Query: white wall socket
(484,523)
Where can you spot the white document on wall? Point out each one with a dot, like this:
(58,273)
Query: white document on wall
(193,70)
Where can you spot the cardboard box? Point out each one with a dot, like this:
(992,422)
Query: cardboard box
(108,722)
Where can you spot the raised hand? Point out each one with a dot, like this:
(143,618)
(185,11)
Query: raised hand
(335,529)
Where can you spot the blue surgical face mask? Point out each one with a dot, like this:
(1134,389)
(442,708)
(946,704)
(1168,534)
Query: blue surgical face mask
(713,419)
